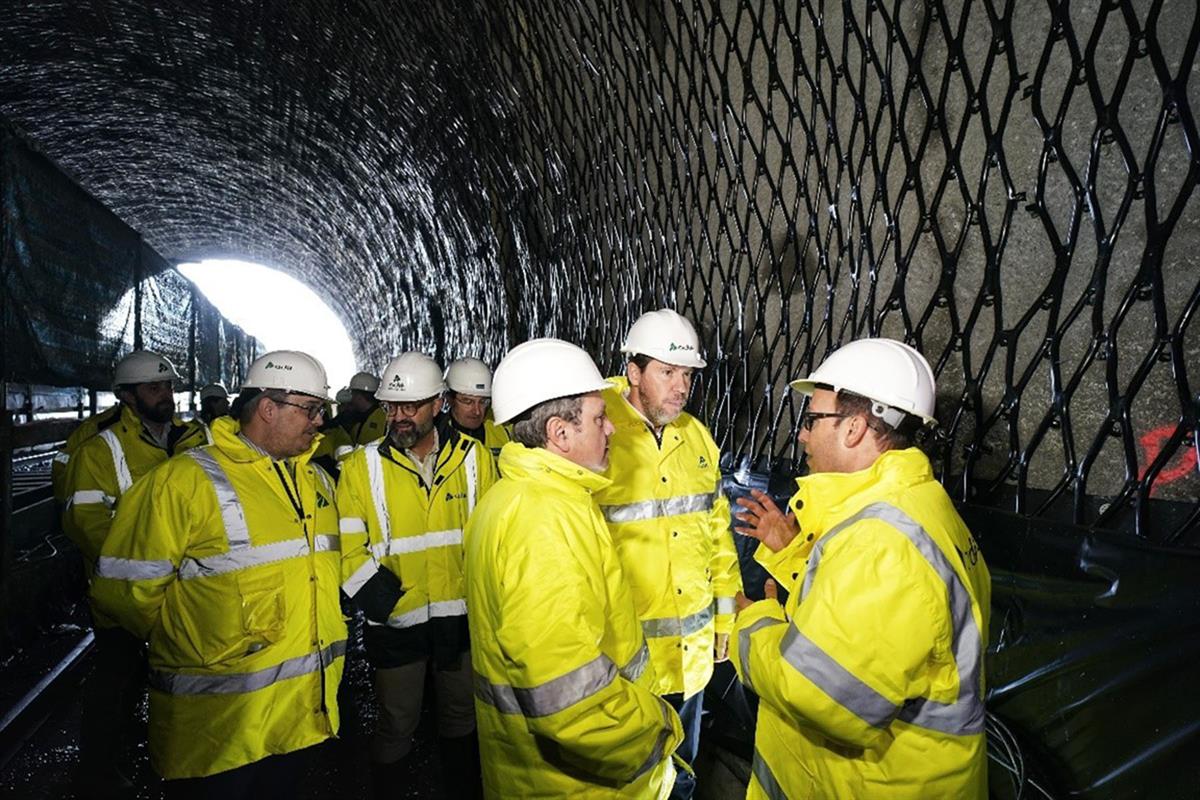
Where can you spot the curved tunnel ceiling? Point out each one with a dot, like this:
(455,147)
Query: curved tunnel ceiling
(1016,195)
(331,140)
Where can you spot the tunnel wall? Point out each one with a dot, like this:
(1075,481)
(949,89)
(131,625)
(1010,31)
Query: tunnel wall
(1009,186)
(81,288)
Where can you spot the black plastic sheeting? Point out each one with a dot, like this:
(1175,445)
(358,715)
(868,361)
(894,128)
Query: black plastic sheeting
(80,288)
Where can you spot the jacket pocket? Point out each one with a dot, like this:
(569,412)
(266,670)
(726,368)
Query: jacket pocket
(264,610)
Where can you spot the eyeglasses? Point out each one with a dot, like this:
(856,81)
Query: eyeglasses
(480,403)
(408,407)
(809,418)
(313,411)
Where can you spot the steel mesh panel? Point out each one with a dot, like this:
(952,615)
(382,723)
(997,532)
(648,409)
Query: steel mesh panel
(1009,186)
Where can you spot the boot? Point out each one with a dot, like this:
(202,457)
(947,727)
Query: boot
(459,758)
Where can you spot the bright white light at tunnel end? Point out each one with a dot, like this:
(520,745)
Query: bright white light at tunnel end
(278,310)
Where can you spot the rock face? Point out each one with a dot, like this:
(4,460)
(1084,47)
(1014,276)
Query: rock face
(1015,194)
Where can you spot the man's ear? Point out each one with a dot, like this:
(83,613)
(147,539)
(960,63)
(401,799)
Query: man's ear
(634,373)
(556,432)
(855,428)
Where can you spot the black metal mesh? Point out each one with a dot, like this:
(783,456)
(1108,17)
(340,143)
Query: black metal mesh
(1009,186)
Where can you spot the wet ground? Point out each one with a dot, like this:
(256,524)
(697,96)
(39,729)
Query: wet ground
(45,766)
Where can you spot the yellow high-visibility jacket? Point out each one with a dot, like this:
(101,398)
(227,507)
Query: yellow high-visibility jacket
(564,687)
(670,523)
(871,680)
(402,545)
(492,435)
(229,567)
(86,430)
(104,468)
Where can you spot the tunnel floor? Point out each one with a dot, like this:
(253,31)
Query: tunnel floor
(44,767)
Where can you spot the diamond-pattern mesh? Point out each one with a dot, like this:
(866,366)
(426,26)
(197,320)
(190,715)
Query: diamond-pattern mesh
(1011,186)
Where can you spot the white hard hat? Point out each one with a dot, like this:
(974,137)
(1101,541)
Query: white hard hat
(665,336)
(364,382)
(289,370)
(142,366)
(410,376)
(213,390)
(343,395)
(893,374)
(541,370)
(469,376)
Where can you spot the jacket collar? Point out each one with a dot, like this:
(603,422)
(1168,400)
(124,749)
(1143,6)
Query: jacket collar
(225,436)
(828,496)
(535,463)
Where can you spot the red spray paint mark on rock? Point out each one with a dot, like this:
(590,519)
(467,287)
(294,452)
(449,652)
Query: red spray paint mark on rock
(1185,457)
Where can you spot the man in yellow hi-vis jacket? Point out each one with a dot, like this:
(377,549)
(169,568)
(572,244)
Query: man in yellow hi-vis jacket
(143,433)
(403,502)
(871,679)
(669,519)
(468,400)
(226,560)
(564,686)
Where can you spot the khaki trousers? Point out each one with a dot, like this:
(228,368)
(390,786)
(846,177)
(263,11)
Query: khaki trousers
(400,692)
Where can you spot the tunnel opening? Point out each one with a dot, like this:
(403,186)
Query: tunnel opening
(278,310)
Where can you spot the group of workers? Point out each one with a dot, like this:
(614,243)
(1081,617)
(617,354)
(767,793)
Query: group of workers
(561,570)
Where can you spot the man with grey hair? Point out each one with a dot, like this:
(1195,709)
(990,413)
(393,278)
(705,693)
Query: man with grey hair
(564,687)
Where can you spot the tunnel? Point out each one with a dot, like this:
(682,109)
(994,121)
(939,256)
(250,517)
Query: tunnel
(1010,187)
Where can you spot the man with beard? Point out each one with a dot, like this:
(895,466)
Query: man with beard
(668,518)
(214,402)
(404,502)
(226,561)
(143,434)
(469,397)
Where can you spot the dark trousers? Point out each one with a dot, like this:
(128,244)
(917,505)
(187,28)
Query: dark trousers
(110,699)
(267,779)
(689,714)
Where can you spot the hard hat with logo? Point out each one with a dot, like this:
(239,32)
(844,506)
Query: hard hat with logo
(213,390)
(409,377)
(469,376)
(343,395)
(364,382)
(143,366)
(541,370)
(893,374)
(664,336)
(289,370)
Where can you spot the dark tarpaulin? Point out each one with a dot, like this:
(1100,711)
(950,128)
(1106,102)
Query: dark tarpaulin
(81,288)
(68,267)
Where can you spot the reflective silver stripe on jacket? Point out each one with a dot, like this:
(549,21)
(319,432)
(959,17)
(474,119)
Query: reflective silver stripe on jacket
(242,558)
(367,570)
(553,695)
(835,680)
(415,544)
(725,605)
(654,509)
(766,779)
(672,626)
(91,496)
(744,644)
(471,465)
(657,753)
(236,532)
(327,543)
(378,492)
(131,569)
(420,614)
(243,682)
(965,716)
(62,458)
(637,665)
(120,464)
(352,525)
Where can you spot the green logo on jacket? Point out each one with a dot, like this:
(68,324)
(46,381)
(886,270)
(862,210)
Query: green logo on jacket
(322,502)
(703,462)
